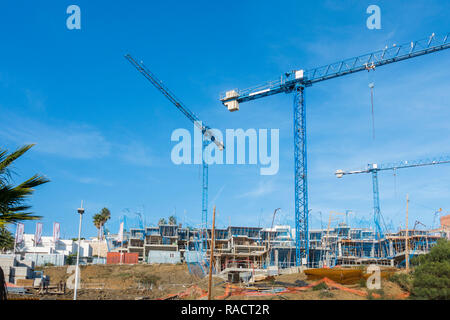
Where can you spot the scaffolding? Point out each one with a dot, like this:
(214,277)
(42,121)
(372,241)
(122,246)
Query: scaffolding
(249,249)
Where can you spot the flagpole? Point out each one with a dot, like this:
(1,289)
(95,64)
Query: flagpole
(121,227)
(15,240)
(35,242)
(54,242)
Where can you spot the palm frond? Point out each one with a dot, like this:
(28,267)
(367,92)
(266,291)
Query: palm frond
(6,160)
(12,198)
(33,182)
(14,217)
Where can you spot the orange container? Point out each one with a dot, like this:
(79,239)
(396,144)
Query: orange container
(131,258)
(124,258)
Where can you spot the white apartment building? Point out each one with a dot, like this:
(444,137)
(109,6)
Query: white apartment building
(48,246)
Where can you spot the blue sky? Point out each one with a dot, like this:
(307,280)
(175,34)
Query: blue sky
(103,132)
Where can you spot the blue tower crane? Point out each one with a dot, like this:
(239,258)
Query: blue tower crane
(374,168)
(207,136)
(295,82)
(140,219)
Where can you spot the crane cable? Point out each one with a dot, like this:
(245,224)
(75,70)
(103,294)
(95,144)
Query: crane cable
(395,182)
(371,86)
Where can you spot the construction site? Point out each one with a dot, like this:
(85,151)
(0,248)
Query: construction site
(248,249)
(168,262)
(239,250)
(247,255)
(331,258)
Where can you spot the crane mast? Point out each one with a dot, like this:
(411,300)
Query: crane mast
(295,82)
(374,168)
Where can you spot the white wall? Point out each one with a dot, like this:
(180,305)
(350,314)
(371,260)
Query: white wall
(47,245)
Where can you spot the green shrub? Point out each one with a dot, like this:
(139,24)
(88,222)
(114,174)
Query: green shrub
(431,276)
(404,280)
(320,286)
(71,259)
(124,275)
(148,280)
(362,282)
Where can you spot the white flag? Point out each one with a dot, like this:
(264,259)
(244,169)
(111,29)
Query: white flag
(120,237)
(38,234)
(55,232)
(19,232)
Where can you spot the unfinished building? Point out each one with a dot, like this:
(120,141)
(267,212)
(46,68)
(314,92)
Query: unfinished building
(254,248)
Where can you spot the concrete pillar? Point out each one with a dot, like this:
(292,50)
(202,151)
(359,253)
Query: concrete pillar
(276,258)
(218,265)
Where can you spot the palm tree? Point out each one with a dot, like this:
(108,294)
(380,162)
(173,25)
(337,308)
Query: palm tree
(12,198)
(6,240)
(105,215)
(97,220)
(162,221)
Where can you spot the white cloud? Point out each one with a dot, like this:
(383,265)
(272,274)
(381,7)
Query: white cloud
(71,141)
(261,190)
(95,181)
(75,141)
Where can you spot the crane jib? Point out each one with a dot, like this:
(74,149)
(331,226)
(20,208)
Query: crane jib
(369,61)
(172,98)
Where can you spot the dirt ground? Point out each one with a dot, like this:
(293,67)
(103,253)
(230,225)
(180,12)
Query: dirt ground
(142,282)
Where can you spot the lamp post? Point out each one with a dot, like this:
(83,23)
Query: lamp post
(407,236)
(80,211)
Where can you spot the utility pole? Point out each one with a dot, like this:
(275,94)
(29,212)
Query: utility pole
(80,211)
(213,231)
(406,237)
(15,239)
